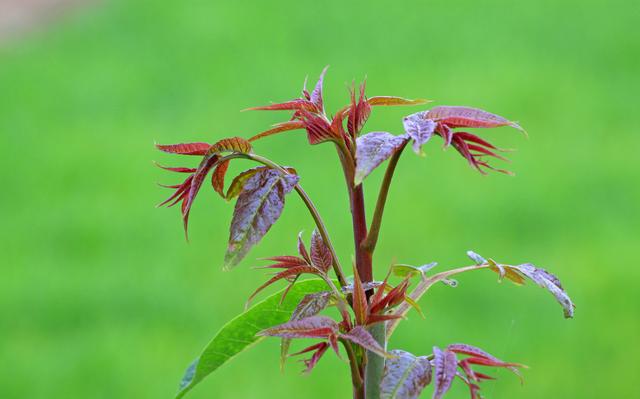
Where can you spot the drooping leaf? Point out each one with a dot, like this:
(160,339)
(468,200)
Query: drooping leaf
(217,177)
(205,166)
(419,129)
(238,182)
(445,365)
(310,305)
(405,376)
(372,149)
(549,281)
(391,100)
(258,207)
(457,116)
(240,333)
(185,148)
(360,336)
(320,253)
(309,327)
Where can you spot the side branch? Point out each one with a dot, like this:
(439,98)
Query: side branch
(420,290)
(370,242)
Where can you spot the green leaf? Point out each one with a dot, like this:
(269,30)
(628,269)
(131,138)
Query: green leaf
(240,333)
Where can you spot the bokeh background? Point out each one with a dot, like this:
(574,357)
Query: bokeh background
(101,297)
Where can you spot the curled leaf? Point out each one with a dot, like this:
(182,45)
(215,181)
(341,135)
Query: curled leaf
(372,149)
(405,376)
(549,281)
(217,177)
(258,207)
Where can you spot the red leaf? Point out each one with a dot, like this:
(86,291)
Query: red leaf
(318,128)
(217,177)
(360,336)
(302,249)
(198,177)
(293,105)
(358,112)
(178,170)
(319,350)
(320,254)
(185,148)
(280,127)
(291,271)
(445,365)
(309,327)
(456,116)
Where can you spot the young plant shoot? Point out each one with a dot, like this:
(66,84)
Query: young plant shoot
(369,306)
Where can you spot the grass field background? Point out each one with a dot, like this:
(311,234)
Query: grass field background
(100,295)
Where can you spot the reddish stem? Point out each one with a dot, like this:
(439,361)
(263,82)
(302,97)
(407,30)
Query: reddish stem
(363,257)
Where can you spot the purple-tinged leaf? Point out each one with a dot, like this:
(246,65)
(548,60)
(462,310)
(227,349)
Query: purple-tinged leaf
(549,281)
(217,177)
(310,305)
(419,129)
(280,127)
(360,336)
(405,376)
(445,365)
(391,100)
(185,148)
(372,149)
(310,327)
(320,253)
(238,182)
(258,207)
(479,353)
(316,94)
(456,116)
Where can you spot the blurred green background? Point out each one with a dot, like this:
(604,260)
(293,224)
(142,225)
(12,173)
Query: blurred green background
(100,295)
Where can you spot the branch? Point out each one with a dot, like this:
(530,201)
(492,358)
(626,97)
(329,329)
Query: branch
(422,287)
(370,242)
